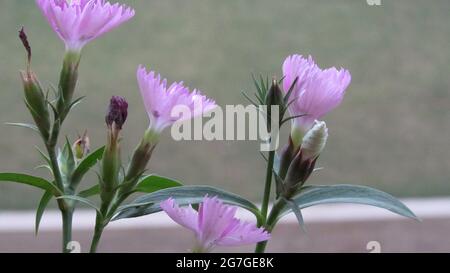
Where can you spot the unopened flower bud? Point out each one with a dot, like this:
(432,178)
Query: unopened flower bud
(275,95)
(67,82)
(117,112)
(273,98)
(140,158)
(81,147)
(314,141)
(23,37)
(299,171)
(34,96)
(286,156)
(304,161)
(115,118)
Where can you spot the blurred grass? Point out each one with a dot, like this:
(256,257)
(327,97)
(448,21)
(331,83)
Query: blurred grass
(392,131)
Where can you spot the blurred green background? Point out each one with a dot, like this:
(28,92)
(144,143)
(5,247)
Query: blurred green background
(391,132)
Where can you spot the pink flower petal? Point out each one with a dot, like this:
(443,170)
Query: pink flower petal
(80,21)
(243,234)
(215,224)
(160,99)
(316,92)
(186,217)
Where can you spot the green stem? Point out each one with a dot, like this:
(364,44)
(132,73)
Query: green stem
(67,229)
(103,220)
(270,224)
(261,247)
(99,227)
(66,210)
(268,184)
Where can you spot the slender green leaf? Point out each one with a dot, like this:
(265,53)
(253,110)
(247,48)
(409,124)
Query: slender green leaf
(152,183)
(316,195)
(298,213)
(70,157)
(86,165)
(44,156)
(41,208)
(66,162)
(44,166)
(291,88)
(29,180)
(258,89)
(291,118)
(54,110)
(149,203)
(76,102)
(82,200)
(24,125)
(94,190)
(249,99)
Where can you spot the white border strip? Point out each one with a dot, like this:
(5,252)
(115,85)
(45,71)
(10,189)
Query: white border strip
(424,208)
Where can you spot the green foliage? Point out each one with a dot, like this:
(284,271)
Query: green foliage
(34,181)
(152,183)
(85,165)
(149,203)
(317,195)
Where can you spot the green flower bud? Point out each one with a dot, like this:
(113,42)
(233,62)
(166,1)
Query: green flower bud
(36,102)
(142,155)
(275,95)
(67,82)
(273,98)
(111,164)
(34,96)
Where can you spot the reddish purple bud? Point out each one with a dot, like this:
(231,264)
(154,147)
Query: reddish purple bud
(287,154)
(117,112)
(299,171)
(23,37)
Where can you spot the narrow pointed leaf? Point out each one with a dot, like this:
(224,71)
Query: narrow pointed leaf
(297,212)
(76,102)
(149,203)
(289,93)
(82,200)
(85,165)
(29,180)
(94,190)
(316,195)
(152,183)
(44,156)
(249,99)
(41,208)
(44,166)
(24,125)
(258,88)
(66,162)
(291,118)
